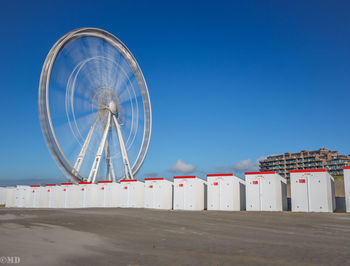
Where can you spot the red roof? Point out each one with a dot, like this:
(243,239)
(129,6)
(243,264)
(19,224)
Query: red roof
(220,175)
(155,178)
(35,186)
(84,183)
(63,184)
(131,180)
(260,173)
(105,182)
(50,185)
(307,170)
(181,177)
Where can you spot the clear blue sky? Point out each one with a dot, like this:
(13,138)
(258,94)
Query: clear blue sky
(230,81)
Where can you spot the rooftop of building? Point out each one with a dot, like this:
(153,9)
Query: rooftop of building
(304,153)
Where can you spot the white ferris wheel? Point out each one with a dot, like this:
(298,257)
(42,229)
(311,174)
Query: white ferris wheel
(94,105)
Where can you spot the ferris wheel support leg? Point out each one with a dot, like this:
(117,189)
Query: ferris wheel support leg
(97,161)
(110,169)
(82,153)
(107,161)
(128,172)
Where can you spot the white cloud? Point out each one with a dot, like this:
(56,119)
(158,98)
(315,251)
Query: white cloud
(181,167)
(243,166)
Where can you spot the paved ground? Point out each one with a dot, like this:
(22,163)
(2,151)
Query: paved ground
(151,237)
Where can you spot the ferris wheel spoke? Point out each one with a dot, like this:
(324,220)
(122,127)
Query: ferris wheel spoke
(127,167)
(82,153)
(124,79)
(81,124)
(126,100)
(120,74)
(69,140)
(84,117)
(128,94)
(78,101)
(72,90)
(97,160)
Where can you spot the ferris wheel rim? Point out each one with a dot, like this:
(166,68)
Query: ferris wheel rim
(44,106)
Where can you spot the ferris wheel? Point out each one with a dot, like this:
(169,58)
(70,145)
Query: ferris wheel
(94,105)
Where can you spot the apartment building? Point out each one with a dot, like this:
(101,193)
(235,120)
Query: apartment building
(322,158)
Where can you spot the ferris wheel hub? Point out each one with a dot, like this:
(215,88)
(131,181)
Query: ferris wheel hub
(112,107)
(107,100)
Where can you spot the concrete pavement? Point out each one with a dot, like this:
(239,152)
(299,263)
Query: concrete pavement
(152,237)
